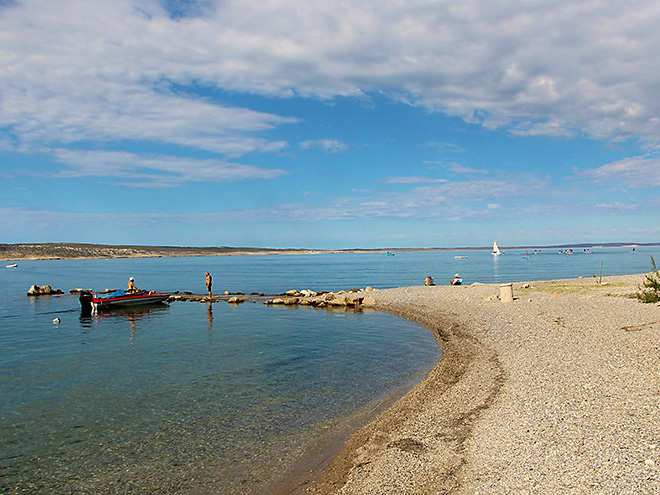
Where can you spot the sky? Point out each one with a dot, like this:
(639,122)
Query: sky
(329,125)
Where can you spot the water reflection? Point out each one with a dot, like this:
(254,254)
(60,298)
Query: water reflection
(209,317)
(132,316)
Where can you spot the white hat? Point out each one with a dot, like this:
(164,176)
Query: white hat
(457,275)
(131,279)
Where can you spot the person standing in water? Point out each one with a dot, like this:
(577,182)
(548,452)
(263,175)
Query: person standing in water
(209,283)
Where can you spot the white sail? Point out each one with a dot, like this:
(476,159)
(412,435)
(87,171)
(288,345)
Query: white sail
(496,250)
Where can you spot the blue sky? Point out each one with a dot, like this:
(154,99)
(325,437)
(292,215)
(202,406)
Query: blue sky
(329,125)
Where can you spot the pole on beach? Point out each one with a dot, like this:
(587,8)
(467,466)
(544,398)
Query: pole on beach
(600,281)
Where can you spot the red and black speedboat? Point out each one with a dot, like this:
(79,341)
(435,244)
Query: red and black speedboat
(120,299)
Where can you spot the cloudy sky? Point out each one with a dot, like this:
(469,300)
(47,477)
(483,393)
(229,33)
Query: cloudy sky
(329,124)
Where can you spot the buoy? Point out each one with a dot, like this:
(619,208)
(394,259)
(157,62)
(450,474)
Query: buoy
(56,321)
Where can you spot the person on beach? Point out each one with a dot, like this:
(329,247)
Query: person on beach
(131,285)
(209,283)
(429,281)
(457,280)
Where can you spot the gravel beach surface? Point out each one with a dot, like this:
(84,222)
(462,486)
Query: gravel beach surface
(556,392)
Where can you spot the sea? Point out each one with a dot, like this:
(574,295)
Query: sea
(199,398)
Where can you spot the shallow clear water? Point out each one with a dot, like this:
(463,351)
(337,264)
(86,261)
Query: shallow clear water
(182,397)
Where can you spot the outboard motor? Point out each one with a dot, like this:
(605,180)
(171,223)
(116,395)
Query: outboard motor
(86,306)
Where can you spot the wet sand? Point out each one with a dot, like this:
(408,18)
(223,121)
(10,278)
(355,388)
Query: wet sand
(556,392)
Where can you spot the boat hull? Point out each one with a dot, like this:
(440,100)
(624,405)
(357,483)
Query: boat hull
(123,301)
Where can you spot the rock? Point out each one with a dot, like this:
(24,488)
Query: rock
(277,300)
(354,301)
(580,277)
(307,293)
(353,290)
(341,292)
(56,321)
(236,300)
(76,291)
(525,286)
(188,293)
(42,290)
(239,294)
(338,301)
(322,304)
(368,301)
(369,288)
(328,297)
(292,292)
(227,293)
(291,302)
(305,302)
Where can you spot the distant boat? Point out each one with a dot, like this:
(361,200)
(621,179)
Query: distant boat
(461,257)
(389,254)
(13,265)
(496,250)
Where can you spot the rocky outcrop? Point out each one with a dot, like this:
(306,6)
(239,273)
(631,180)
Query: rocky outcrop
(43,290)
(237,300)
(338,299)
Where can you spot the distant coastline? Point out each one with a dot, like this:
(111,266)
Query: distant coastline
(69,250)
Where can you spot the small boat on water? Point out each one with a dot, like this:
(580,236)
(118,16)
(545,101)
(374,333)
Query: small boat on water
(13,265)
(496,250)
(461,257)
(120,299)
(389,254)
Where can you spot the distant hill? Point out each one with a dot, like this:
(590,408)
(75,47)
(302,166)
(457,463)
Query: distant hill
(57,250)
(69,250)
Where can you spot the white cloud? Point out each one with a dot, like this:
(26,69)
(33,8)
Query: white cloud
(411,180)
(457,168)
(328,145)
(98,70)
(141,170)
(617,206)
(636,172)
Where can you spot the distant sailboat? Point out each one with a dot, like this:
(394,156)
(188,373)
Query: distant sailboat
(496,250)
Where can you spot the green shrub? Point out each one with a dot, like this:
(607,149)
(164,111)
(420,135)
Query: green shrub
(650,289)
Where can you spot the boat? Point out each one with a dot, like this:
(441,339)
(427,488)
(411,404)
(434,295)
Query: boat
(496,250)
(461,257)
(13,265)
(389,254)
(120,299)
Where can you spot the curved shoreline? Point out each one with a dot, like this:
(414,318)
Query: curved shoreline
(527,396)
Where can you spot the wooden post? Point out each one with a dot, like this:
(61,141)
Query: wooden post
(601,273)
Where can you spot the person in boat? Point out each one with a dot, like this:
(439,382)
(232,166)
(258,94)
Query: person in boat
(131,288)
(209,283)
(457,280)
(429,281)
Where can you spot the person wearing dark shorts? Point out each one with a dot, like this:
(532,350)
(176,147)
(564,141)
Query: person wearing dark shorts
(209,283)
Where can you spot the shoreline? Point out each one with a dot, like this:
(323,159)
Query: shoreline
(528,396)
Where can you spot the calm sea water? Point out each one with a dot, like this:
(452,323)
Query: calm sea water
(191,398)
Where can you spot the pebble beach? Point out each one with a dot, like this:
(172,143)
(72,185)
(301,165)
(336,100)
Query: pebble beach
(555,392)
